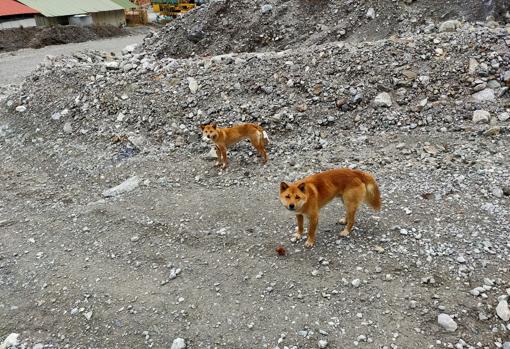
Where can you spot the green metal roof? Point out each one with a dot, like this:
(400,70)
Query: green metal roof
(55,8)
(124,3)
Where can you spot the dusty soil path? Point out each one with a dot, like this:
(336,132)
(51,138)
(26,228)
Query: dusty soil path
(15,66)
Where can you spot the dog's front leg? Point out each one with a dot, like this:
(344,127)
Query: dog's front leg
(312,228)
(299,228)
(218,155)
(223,151)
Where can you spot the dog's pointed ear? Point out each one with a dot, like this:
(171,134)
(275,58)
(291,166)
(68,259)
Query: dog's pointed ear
(214,125)
(302,187)
(283,186)
(202,126)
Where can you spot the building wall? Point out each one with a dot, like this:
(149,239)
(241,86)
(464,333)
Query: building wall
(17,22)
(48,21)
(116,18)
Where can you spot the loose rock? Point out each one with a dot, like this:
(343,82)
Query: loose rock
(126,186)
(178,343)
(10,342)
(502,310)
(446,322)
(323,343)
(382,100)
(449,26)
(481,116)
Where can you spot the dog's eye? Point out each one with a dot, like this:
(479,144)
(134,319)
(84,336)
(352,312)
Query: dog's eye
(288,197)
(297,197)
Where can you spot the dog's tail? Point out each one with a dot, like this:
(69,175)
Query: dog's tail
(262,134)
(373,195)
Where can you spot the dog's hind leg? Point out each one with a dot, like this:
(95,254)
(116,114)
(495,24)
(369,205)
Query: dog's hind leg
(352,199)
(343,221)
(258,143)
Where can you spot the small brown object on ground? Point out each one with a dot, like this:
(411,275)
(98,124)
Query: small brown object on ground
(281,250)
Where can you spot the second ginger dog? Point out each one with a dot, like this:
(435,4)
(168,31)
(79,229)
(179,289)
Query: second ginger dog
(307,196)
(223,137)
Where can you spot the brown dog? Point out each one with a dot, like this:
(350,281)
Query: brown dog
(223,137)
(307,196)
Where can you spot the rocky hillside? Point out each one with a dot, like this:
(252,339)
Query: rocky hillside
(247,26)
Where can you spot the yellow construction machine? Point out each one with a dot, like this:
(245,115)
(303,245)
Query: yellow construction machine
(173,8)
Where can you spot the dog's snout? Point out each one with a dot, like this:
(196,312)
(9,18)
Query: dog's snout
(291,206)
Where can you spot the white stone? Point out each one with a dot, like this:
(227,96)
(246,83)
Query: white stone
(266,8)
(11,341)
(449,26)
(323,343)
(383,99)
(485,95)
(211,155)
(477,291)
(370,13)
(178,343)
(126,186)
(68,128)
(446,322)
(112,65)
(503,311)
(21,108)
(481,116)
(506,76)
(503,116)
(473,65)
(129,48)
(356,282)
(193,85)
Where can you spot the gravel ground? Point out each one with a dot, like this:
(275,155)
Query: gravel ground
(182,255)
(85,271)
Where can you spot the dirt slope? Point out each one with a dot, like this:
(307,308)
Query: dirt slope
(246,26)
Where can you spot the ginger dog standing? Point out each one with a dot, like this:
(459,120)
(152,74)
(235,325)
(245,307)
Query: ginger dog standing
(308,195)
(223,137)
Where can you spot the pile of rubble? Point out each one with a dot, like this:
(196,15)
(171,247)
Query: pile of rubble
(247,26)
(442,80)
(36,37)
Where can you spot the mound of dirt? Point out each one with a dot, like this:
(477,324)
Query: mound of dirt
(427,80)
(37,37)
(247,26)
